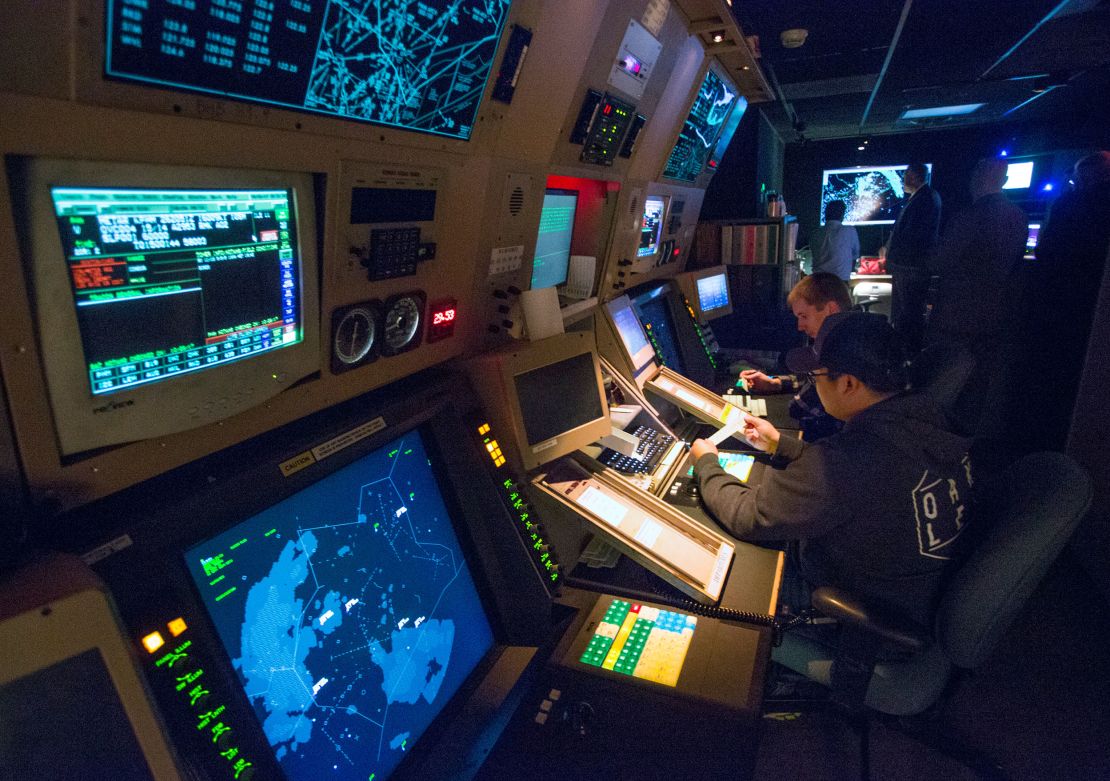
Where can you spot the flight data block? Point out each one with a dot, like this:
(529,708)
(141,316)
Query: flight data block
(715,101)
(349,614)
(414,64)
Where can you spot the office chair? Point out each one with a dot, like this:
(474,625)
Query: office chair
(943,371)
(1023,518)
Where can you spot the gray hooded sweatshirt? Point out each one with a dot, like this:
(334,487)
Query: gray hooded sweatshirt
(879,508)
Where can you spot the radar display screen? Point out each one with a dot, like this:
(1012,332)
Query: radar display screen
(715,101)
(872,196)
(169,282)
(660,329)
(413,64)
(349,614)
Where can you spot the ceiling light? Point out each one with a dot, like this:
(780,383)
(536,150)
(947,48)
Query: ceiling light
(794,37)
(941,111)
(718,37)
(861,147)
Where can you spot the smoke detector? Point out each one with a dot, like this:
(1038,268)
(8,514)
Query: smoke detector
(793,38)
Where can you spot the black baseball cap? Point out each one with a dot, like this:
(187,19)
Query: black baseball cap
(862,344)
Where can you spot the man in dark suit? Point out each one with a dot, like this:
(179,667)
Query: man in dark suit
(908,254)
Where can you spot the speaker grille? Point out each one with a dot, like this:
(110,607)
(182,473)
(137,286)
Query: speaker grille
(516,201)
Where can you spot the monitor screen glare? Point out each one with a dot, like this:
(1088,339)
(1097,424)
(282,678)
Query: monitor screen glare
(168,282)
(873,196)
(415,66)
(1019,176)
(553,242)
(632,334)
(349,614)
(712,292)
(652,227)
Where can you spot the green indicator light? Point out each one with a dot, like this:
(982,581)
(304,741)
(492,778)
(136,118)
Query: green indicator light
(225,594)
(272,531)
(217,580)
(237,544)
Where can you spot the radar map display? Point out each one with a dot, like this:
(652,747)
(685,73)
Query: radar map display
(715,101)
(873,196)
(414,64)
(349,614)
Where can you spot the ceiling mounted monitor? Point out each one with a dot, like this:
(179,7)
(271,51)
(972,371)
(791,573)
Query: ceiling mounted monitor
(871,195)
(942,111)
(1019,176)
(715,101)
(414,66)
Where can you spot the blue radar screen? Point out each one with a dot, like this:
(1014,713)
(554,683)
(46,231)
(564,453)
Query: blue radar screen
(414,64)
(715,101)
(349,614)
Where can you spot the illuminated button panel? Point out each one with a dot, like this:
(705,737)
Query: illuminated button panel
(641,641)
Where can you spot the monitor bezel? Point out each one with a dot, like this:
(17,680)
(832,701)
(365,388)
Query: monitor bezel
(688,281)
(570,245)
(244,501)
(84,422)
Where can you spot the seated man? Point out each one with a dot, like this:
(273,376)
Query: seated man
(877,509)
(812,300)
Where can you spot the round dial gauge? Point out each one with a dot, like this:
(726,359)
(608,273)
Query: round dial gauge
(354,335)
(402,323)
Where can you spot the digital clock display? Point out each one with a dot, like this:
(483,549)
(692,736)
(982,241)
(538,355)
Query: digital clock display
(441,322)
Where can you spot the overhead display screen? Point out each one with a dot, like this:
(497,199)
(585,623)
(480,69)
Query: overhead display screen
(168,282)
(715,101)
(413,64)
(872,196)
(349,614)
(1019,176)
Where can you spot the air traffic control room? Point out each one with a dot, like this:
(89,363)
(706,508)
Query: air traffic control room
(554,389)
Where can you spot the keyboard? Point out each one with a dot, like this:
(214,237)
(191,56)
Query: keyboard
(752,406)
(653,446)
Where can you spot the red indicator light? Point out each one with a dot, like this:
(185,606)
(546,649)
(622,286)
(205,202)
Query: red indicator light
(443,314)
(608,109)
(676,251)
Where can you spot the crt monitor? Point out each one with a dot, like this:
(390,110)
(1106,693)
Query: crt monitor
(707,292)
(651,229)
(873,194)
(349,613)
(655,315)
(553,240)
(168,296)
(412,66)
(547,394)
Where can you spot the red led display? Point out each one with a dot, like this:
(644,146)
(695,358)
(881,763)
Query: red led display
(441,319)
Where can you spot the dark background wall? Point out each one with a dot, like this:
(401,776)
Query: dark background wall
(953,153)
(752,165)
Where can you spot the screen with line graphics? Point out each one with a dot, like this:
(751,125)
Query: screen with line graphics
(169,282)
(349,614)
(412,64)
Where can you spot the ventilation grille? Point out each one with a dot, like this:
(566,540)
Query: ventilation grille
(516,201)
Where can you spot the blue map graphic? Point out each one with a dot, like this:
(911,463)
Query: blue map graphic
(715,101)
(348,613)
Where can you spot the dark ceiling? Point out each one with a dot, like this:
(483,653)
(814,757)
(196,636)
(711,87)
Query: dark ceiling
(1026,60)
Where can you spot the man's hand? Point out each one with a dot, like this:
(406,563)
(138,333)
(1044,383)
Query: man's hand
(701,447)
(758,382)
(761,434)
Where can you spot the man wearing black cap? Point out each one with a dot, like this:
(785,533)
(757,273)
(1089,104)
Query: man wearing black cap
(879,508)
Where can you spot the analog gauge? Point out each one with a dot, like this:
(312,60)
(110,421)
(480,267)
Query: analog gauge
(355,333)
(403,316)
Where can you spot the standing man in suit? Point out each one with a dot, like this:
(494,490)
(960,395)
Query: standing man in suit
(909,252)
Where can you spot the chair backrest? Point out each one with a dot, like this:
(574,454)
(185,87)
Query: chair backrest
(1032,509)
(942,371)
